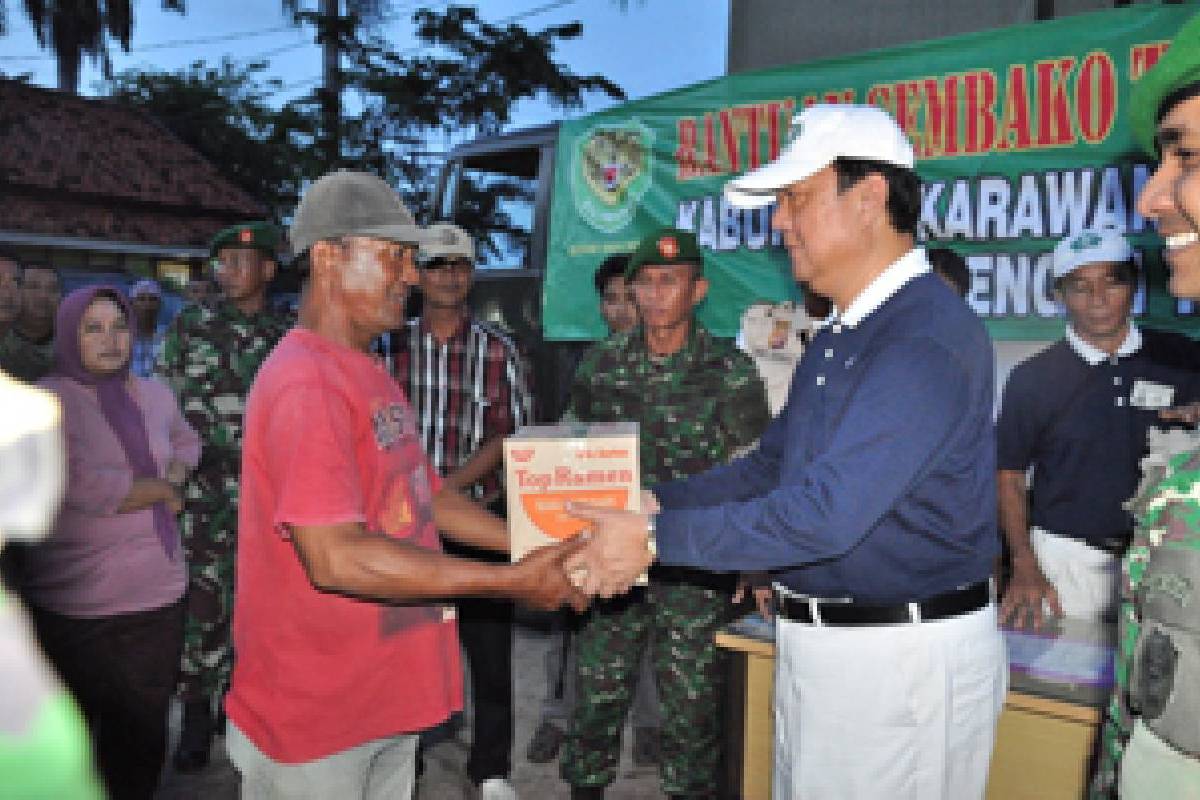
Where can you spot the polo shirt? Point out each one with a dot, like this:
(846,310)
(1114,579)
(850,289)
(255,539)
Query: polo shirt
(876,481)
(1068,412)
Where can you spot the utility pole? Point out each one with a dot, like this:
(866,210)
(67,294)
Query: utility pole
(329,35)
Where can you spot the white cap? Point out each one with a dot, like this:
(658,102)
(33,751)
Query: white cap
(1104,246)
(444,240)
(820,134)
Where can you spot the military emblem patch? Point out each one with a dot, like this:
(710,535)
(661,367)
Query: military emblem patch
(611,172)
(668,247)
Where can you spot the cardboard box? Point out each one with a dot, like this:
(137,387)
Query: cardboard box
(548,465)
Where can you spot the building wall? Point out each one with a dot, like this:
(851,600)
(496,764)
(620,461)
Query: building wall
(772,33)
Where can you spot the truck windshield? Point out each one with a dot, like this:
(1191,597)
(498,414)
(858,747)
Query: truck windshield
(493,196)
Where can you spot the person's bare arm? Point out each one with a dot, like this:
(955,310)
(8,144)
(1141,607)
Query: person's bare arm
(1187,414)
(1028,586)
(467,522)
(758,586)
(145,492)
(348,559)
(485,460)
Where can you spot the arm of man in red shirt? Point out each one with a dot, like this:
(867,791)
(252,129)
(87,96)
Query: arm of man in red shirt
(311,443)
(346,558)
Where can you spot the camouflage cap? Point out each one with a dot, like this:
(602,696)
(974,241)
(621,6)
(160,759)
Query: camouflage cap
(664,247)
(1177,68)
(252,235)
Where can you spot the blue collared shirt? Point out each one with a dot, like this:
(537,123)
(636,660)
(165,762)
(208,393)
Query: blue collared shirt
(877,480)
(1072,413)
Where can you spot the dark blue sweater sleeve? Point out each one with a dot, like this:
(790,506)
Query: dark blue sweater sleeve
(749,476)
(913,397)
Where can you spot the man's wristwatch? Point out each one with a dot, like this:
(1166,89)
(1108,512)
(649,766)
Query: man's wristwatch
(651,538)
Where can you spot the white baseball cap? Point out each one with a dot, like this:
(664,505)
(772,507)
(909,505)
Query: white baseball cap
(1102,246)
(446,240)
(820,134)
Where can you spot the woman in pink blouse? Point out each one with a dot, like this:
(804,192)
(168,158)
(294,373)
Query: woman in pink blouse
(106,588)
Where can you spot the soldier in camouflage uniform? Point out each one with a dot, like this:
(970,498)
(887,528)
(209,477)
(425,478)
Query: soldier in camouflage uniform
(1137,760)
(10,303)
(210,356)
(1167,507)
(697,400)
(27,343)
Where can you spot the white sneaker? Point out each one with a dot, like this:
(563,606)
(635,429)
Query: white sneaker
(497,789)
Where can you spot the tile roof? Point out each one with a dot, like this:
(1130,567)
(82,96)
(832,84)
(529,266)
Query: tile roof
(71,219)
(78,166)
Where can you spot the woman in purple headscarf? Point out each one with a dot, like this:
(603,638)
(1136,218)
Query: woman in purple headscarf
(106,588)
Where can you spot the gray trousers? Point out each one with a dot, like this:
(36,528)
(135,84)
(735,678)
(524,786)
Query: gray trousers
(383,769)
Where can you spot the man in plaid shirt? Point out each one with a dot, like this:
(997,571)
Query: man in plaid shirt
(468,385)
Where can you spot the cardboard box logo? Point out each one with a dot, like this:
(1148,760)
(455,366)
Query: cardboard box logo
(522,455)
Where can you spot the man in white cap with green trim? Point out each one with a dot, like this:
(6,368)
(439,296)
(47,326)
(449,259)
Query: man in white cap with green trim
(1076,414)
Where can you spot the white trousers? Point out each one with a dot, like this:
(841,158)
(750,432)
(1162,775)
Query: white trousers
(1153,770)
(889,712)
(1087,579)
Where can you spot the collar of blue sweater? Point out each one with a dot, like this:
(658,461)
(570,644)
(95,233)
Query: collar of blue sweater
(887,283)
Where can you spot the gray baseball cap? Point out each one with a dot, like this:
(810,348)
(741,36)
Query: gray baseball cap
(345,203)
(444,240)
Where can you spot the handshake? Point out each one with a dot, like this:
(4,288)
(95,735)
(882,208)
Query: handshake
(604,561)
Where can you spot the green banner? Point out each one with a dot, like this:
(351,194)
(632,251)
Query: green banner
(1021,138)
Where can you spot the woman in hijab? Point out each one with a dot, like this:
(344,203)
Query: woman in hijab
(106,586)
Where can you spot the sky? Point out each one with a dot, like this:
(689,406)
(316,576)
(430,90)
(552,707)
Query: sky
(644,46)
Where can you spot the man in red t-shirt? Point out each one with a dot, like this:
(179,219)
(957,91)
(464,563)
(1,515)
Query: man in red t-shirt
(338,664)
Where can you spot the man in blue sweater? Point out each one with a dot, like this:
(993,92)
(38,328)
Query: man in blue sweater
(871,497)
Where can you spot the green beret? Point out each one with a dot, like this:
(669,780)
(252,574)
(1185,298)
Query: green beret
(664,247)
(1177,67)
(254,235)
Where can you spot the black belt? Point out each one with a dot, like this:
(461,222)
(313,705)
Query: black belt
(1113,545)
(844,612)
